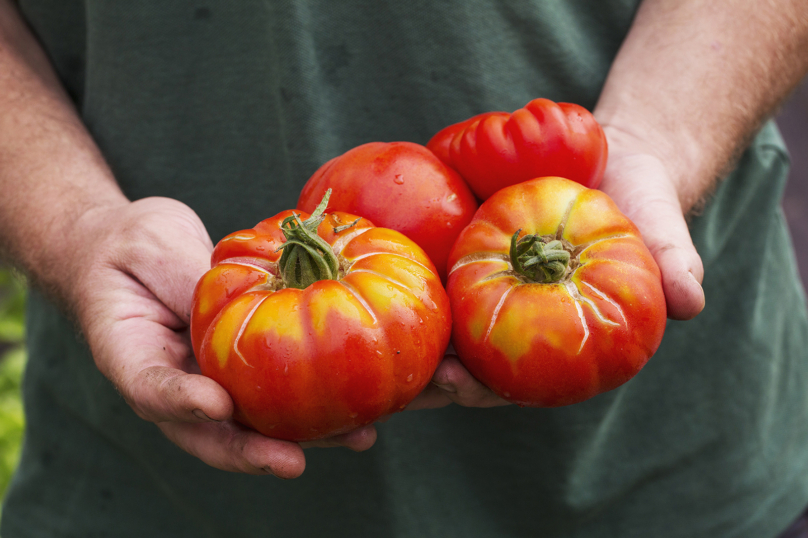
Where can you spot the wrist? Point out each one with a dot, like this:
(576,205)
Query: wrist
(67,252)
(685,159)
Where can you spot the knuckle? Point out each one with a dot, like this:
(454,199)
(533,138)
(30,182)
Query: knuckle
(467,398)
(235,443)
(661,248)
(156,394)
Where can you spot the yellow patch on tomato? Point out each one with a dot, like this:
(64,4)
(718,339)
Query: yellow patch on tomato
(486,297)
(329,299)
(477,327)
(203,304)
(209,299)
(380,292)
(595,216)
(228,326)
(278,317)
(545,311)
(509,336)
(544,204)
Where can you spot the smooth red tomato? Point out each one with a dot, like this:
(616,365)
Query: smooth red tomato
(554,296)
(310,346)
(401,186)
(497,149)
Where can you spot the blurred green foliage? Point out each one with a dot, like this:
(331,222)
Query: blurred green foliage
(12,364)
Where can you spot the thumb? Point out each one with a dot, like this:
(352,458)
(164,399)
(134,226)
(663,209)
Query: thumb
(172,253)
(646,196)
(681,268)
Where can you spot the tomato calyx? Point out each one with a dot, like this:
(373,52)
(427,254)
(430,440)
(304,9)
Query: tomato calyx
(538,259)
(306,257)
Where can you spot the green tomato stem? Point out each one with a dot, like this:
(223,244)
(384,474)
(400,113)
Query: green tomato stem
(538,261)
(306,257)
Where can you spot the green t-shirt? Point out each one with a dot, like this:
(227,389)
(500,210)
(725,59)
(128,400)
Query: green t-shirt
(230,107)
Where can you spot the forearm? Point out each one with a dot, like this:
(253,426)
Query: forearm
(51,172)
(694,80)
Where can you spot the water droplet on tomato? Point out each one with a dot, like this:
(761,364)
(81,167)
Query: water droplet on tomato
(399,179)
(409,378)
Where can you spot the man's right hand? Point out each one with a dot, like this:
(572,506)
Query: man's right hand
(134,267)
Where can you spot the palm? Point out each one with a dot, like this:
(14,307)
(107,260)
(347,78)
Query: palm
(641,188)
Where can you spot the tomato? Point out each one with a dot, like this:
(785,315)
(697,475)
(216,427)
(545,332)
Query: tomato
(401,186)
(497,149)
(554,296)
(345,324)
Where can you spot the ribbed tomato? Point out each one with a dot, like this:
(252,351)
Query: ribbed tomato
(497,149)
(346,323)
(401,186)
(554,296)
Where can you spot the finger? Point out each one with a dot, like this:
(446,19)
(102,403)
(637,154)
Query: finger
(682,274)
(653,205)
(357,440)
(461,387)
(160,393)
(665,233)
(168,262)
(148,364)
(231,447)
(432,397)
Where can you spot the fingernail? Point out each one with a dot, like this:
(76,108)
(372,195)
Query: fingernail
(198,413)
(269,471)
(445,388)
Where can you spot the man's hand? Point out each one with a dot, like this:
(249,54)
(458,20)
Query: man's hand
(135,267)
(642,188)
(126,270)
(690,85)
(452,383)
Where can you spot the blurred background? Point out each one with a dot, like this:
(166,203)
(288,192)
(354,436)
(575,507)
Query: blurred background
(792,119)
(12,362)
(793,122)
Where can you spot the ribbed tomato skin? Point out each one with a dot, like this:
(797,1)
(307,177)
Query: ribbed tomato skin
(497,149)
(335,356)
(547,345)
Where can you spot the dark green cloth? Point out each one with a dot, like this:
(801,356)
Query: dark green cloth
(230,107)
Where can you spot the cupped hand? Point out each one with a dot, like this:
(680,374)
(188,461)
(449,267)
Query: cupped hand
(642,187)
(135,267)
(452,383)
